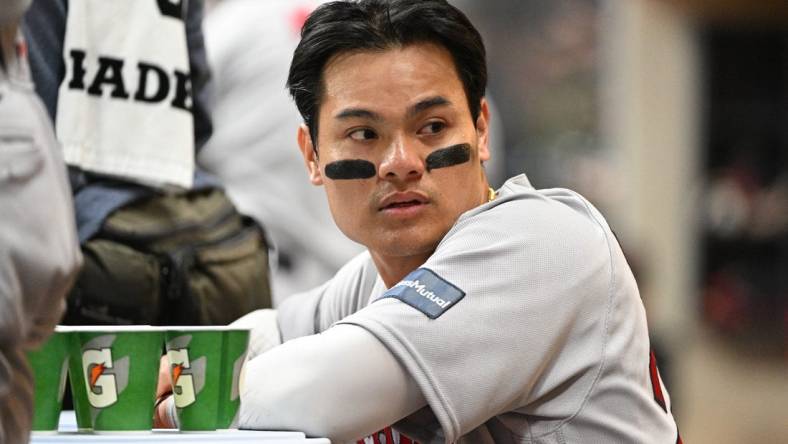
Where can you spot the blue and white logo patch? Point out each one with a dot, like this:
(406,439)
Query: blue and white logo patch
(427,292)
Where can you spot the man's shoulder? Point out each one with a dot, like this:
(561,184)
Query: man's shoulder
(356,278)
(520,210)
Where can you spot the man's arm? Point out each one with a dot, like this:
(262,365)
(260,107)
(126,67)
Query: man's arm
(264,331)
(288,388)
(300,315)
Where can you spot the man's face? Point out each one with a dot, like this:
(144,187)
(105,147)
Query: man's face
(383,116)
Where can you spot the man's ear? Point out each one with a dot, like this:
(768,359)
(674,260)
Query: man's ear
(483,131)
(310,155)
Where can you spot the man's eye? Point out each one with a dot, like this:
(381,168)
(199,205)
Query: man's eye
(363,134)
(432,128)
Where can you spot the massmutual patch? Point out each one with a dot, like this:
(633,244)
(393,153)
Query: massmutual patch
(427,292)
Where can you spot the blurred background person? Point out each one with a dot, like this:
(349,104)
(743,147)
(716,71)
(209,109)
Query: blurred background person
(253,148)
(39,252)
(125,83)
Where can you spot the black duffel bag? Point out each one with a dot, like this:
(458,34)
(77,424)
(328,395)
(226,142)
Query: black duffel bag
(173,259)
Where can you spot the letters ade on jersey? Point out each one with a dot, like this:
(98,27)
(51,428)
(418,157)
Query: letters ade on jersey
(427,292)
(153,85)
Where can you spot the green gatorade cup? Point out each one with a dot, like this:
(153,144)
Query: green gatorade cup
(236,341)
(50,367)
(195,355)
(113,372)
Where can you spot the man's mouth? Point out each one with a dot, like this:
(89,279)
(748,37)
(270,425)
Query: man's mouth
(409,203)
(400,200)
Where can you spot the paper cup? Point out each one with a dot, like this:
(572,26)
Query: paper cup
(113,372)
(195,355)
(236,341)
(50,367)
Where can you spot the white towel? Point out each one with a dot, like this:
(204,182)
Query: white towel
(124,106)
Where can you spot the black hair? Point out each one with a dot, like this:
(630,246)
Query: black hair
(342,26)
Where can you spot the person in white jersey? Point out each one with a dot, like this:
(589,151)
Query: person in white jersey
(474,316)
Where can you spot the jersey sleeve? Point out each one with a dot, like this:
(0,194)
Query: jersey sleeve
(509,295)
(316,310)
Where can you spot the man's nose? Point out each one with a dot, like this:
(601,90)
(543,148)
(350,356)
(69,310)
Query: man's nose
(402,162)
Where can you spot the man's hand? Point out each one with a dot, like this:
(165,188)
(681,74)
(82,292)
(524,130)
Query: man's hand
(163,412)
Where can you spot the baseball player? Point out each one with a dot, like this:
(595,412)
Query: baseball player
(475,315)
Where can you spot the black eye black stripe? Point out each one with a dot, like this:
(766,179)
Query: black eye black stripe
(350,169)
(449,156)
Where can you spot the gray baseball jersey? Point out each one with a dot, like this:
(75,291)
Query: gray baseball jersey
(525,325)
